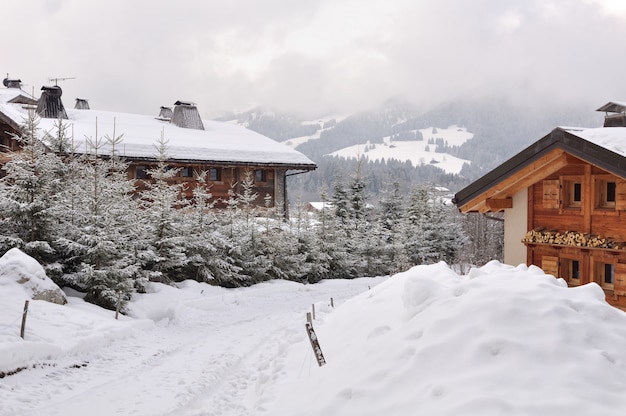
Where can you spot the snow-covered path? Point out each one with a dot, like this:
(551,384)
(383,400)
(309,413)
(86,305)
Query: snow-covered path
(216,353)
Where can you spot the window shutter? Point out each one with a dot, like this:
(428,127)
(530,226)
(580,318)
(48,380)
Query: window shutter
(620,194)
(550,265)
(551,191)
(619,284)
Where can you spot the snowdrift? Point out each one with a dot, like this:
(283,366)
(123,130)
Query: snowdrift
(500,341)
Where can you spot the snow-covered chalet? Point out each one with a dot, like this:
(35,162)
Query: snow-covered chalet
(564,203)
(225,151)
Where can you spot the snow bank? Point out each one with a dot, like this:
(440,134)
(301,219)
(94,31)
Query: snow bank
(52,330)
(501,340)
(18,267)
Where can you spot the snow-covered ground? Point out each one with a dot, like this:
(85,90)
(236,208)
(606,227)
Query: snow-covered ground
(297,141)
(419,153)
(501,340)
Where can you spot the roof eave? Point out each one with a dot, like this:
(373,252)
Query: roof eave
(557,139)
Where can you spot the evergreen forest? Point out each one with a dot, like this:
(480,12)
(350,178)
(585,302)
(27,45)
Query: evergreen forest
(82,219)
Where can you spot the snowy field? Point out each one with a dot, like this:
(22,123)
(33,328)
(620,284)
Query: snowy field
(419,153)
(498,341)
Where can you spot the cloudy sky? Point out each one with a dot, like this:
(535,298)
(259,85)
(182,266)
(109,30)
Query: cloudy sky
(316,55)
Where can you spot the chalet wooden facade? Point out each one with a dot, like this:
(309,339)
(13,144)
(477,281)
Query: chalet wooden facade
(228,153)
(564,203)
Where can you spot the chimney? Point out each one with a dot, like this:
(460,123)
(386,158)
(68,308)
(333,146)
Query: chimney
(618,116)
(81,104)
(165,114)
(186,115)
(12,83)
(50,104)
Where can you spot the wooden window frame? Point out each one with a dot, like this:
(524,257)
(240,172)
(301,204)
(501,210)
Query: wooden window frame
(260,175)
(186,172)
(605,198)
(569,191)
(600,269)
(568,270)
(215,174)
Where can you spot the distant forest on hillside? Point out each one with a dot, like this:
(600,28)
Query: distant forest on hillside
(500,130)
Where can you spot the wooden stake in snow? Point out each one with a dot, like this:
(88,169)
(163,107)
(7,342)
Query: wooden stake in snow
(308,317)
(317,350)
(313,311)
(24,319)
(332,303)
(117,308)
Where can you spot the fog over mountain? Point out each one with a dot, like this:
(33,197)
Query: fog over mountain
(500,129)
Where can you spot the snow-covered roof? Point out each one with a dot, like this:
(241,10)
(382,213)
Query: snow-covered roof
(604,147)
(218,142)
(610,138)
(613,107)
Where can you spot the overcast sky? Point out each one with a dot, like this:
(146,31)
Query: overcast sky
(316,56)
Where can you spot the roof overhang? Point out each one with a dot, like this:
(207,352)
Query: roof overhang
(494,191)
(223,163)
(613,107)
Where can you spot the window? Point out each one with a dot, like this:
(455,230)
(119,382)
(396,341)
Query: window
(215,174)
(609,274)
(571,192)
(186,172)
(606,191)
(141,172)
(576,194)
(572,274)
(606,275)
(259,175)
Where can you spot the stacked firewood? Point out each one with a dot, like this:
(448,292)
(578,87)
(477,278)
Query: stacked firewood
(571,238)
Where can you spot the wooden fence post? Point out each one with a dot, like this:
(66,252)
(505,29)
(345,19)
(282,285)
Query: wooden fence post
(332,303)
(24,319)
(317,350)
(308,317)
(117,308)
(313,311)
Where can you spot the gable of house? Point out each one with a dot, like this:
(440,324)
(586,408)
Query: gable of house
(564,201)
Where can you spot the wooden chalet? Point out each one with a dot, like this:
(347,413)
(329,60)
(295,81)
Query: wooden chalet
(564,204)
(227,152)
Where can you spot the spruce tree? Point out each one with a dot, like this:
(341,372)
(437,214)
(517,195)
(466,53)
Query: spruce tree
(165,256)
(29,195)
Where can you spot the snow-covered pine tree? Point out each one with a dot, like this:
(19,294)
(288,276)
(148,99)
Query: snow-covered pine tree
(164,254)
(391,232)
(282,246)
(249,246)
(432,232)
(207,249)
(100,225)
(29,193)
(333,235)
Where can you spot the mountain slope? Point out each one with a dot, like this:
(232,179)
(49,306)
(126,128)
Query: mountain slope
(499,129)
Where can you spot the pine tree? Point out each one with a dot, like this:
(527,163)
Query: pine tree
(433,233)
(207,249)
(29,195)
(391,223)
(100,228)
(165,255)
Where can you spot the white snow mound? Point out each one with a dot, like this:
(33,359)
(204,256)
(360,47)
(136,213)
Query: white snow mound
(17,267)
(501,341)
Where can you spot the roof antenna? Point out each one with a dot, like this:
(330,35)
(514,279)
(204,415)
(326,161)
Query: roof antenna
(56,80)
